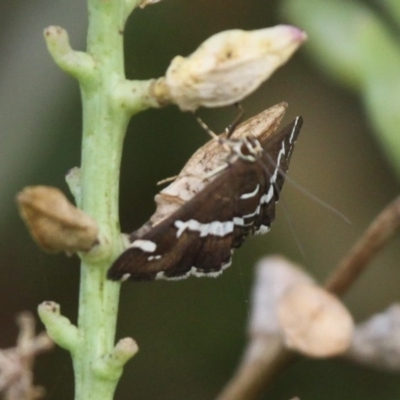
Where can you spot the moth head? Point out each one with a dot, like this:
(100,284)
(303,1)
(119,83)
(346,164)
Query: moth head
(247,148)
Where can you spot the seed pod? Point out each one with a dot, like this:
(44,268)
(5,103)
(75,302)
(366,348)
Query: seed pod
(228,66)
(54,223)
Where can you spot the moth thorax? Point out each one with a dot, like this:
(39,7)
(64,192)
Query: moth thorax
(247,148)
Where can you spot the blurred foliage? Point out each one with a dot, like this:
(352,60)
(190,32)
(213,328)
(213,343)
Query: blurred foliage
(191,333)
(357,46)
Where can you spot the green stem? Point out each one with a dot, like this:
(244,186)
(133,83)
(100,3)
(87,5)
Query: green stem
(108,102)
(104,127)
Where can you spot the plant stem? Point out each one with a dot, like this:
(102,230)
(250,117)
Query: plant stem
(104,127)
(108,102)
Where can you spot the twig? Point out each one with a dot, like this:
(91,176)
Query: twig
(371,242)
(263,360)
(265,355)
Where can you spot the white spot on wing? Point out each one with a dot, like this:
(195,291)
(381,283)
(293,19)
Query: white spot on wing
(213,274)
(251,194)
(151,258)
(278,163)
(199,274)
(216,228)
(262,230)
(195,272)
(160,275)
(228,264)
(145,245)
(296,122)
(266,198)
(253,214)
(238,221)
(210,274)
(125,277)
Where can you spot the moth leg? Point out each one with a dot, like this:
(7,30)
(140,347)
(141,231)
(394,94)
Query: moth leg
(215,171)
(202,177)
(239,118)
(206,127)
(167,180)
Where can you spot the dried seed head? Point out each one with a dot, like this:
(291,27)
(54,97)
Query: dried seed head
(275,275)
(229,66)
(314,322)
(54,223)
(287,302)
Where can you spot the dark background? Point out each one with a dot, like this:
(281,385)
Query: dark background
(190,333)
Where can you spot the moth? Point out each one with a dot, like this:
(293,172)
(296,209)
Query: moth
(200,236)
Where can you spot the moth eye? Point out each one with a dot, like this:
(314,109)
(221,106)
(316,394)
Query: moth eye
(244,149)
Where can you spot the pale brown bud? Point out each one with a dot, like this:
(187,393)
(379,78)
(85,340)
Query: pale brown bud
(314,322)
(54,223)
(228,66)
(289,304)
(274,276)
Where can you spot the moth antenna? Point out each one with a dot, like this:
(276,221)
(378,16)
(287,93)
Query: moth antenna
(286,211)
(293,231)
(230,129)
(307,192)
(318,200)
(239,118)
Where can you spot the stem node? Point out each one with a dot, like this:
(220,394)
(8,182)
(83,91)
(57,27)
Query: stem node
(76,63)
(59,328)
(110,366)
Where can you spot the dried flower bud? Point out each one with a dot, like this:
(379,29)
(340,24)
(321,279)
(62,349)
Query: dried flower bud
(54,223)
(314,322)
(274,276)
(145,3)
(286,302)
(229,66)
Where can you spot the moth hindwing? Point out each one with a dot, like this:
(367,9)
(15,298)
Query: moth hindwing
(200,236)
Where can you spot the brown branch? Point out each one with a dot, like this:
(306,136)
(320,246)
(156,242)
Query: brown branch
(371,242)
(264,359)
(265,355)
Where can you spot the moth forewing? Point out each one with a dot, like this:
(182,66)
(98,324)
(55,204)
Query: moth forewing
(175,250)
(209,157)
(200,236)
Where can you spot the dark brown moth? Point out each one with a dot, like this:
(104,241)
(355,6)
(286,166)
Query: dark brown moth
(209,157)
(199,238)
